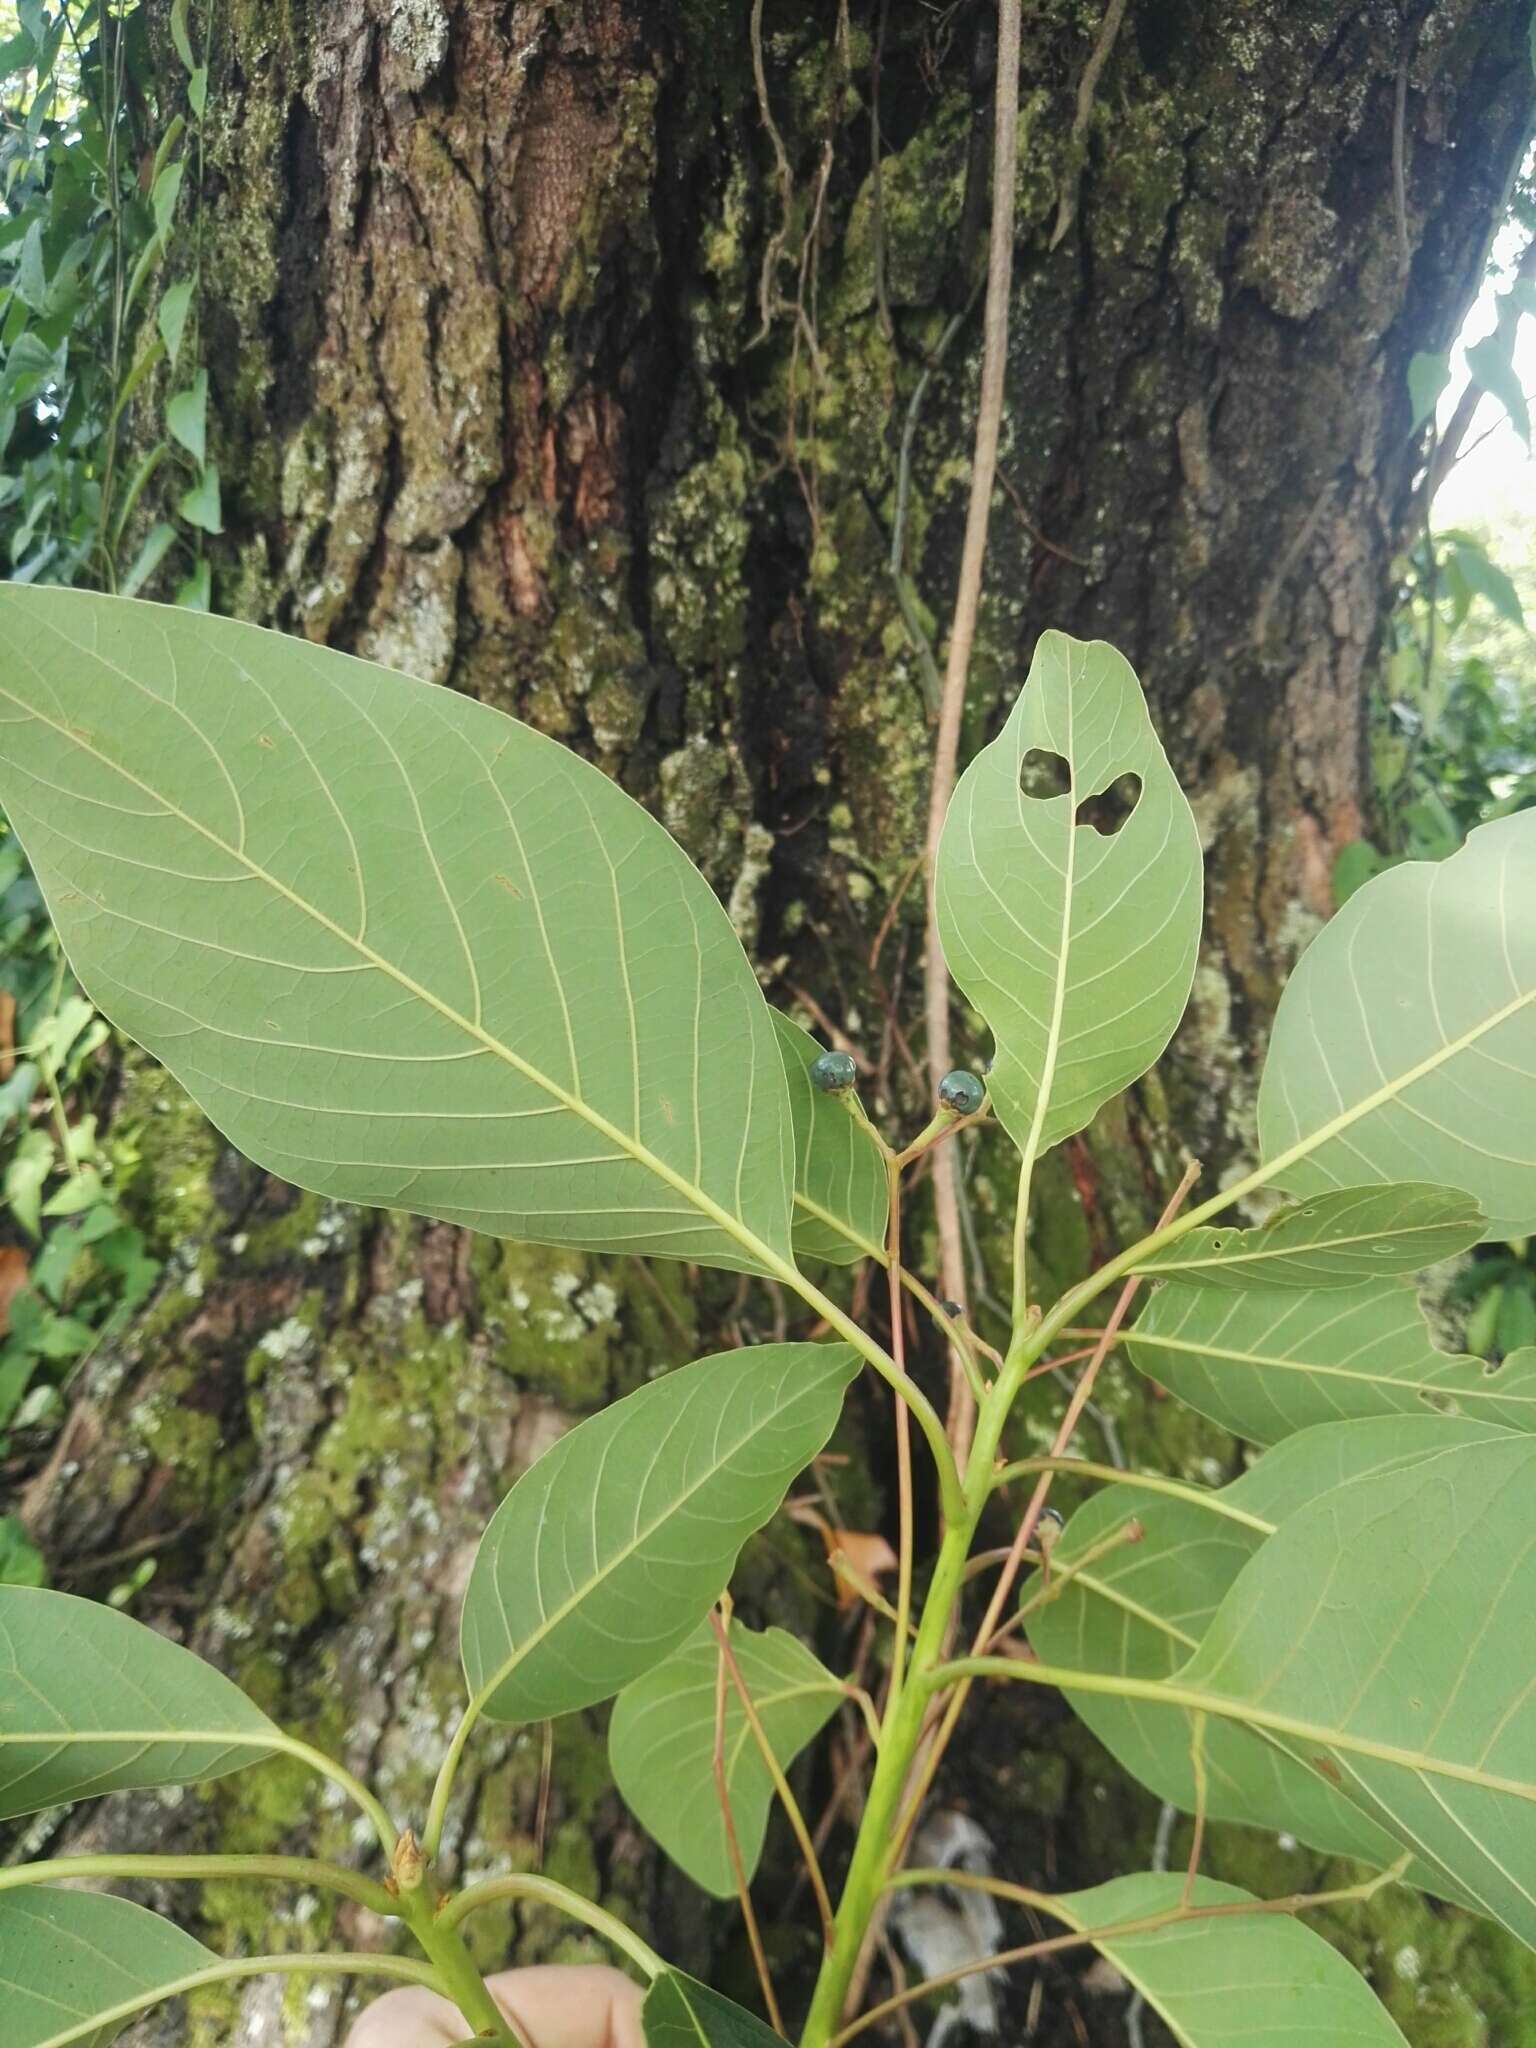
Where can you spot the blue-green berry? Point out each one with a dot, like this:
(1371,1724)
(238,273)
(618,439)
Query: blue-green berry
(962,1092)
(834,1073)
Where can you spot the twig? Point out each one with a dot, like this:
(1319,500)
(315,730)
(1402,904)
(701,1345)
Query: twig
(787,1799)
(733,1851)
(1087,87)
(1400,150)
(882,303)
(989,415)
(903,1432)
(1202,1789)
(1027,1526)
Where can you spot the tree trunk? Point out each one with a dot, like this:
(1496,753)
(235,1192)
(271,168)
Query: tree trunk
(562,354)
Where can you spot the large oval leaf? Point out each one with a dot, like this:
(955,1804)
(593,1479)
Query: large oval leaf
(1076,945)
(1404,1046)
(841,1189)
(402,949)
(1330,1240)
(1267,1361)
(67,1957)
(1141,1610)
(1234,1979)
(611,1549)
(661,1745)
(92,1702)
(1385,1637)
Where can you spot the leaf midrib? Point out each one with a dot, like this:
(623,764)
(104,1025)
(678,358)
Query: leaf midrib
(1318,1247)
(1267,1361)
(1228,1708)
(641,1153)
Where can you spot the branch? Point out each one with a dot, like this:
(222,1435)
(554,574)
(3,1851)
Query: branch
(994,363)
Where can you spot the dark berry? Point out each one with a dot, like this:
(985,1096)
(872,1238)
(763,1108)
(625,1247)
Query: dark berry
(834,1072)
(962,1092)
(952,1308)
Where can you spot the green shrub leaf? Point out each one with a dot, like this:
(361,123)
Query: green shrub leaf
(841,1193)
(1328,1241)
(402,949)
(680,2012)
(1408,1030)
(1077,944)
(661,1745)
(93,1702)
(1267,1361)
(1143,1609)
(610,1550)
(67,1958)
(1385,1638)
(1233,1979)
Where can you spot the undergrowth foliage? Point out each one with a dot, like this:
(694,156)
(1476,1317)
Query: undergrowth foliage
(407,951)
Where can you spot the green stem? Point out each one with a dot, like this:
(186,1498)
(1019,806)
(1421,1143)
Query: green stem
(302,1870)
(455,1972)
(524,1885)
(1153,1482)
(340,1776)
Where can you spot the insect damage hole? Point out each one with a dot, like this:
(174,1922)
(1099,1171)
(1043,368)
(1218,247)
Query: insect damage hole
(1044,774)
(1107,809)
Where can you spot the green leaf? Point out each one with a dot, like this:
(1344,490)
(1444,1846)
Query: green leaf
(1490,362)
(612,1548)
(201,506)
(91,1702)
(1356,864)
(841,1193)
(157,544)
(1428,376)
(163,197)
(179,35)
(186,417)
(195,592)
(1142,1610)
(1265,1362)
(1328,1241)
(171,315)
(1489,581)
(1076,944)
(1407,1030)
(197,90)
(1385,1637)
(661,1745)
(680,2012)
(1232,1980)
(466,975)
(67,1958)
(21,1562)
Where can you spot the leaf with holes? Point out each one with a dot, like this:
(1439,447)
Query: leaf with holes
(610,1551)
(1077,944)
(1143,1609)
(1408,1031)
(1384,1637)
(402,949)
(76,1966)
(92,1702)
(1328,1241)
(1233,1978)
(841,1194)
(680,2012)
(1266,1361)
(661,1745)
